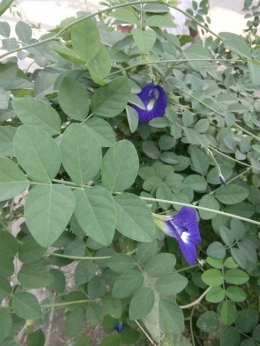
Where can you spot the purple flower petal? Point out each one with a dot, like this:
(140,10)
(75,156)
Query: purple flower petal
(184,227)
(155,102)
(119,327)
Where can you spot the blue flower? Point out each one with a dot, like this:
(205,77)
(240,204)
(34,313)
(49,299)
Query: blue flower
(155,102)
(184,227)
(119,327)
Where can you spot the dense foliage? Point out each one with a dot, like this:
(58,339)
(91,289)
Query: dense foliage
(84,176)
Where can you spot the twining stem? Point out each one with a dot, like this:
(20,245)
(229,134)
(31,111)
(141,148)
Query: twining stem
(91,258)
(58,305)
(198,300)
(109,9)
(48,337)
(201,208)
(145,333)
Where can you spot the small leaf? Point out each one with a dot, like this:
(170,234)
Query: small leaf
(231,194)
(208,322)
(134,220)
(26,306)
(56,203)
(215,295)
(37,113)
(213,277)
(237,294)
(81,154)
(5,288)
(109,100)
(12,181)
(127,284)
(160,264)
(5,323)
(37,152)
(95,213)
(120,166)
(120,263)
(236,277)
(73,99)
(228,313)
(144,40)
(85,39)
(216,250)
(236,43)
(100,65)
(102,131)
(4,5)
(171,316)
(35,275)
(169,284)
(141,303)
(74,323)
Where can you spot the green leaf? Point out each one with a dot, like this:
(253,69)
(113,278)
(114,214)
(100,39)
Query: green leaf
(160,264)
(215,295)
(6,266)
(171,316)
(236,43)
(5,323)
(195,182)
(81,154)
(256,333)
(85,39)
(127,284)
(102,131)
(5,288)
(146,251)
(215,263)
(95,213)
(165,193)
(9,246)
(120,166)
(236,277)
(74,323)
(68,54)
(56,203)
(120,263)
(144,40)
(212,277)
(228,313)
(112,306)
(23,31)
(210,202)
(134,220)
(84,272)
(111,340)
(109,100)
(37,153)
(152,321)
(132,118)
(126,14)
(26,306)
(231,194)
(216,250)
(100,65)
(230,263)
(6,140)
(229,336)
(208,322)
(35,275)
(94,313)
(200,161)
(30,251)
(37,113)
(59,281)
(36,338)
(169,284)
(12,181)
(141,303)
(5,29)
(73,99)
(237,294)
(8,72)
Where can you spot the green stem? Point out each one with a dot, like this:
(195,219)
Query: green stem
(201,208)
(91,258)
(198,300)
(247,132)
(59,34)
(231,158)
(187,268)
(58,305)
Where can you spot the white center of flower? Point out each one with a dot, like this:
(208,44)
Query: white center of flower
(185,237)
(150,105)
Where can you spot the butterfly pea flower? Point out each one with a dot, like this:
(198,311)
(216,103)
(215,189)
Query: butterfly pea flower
(154,100)
(184,227)
(119,327)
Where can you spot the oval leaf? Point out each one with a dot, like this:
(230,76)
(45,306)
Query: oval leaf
(37,152)
(56,204)
(120,166)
